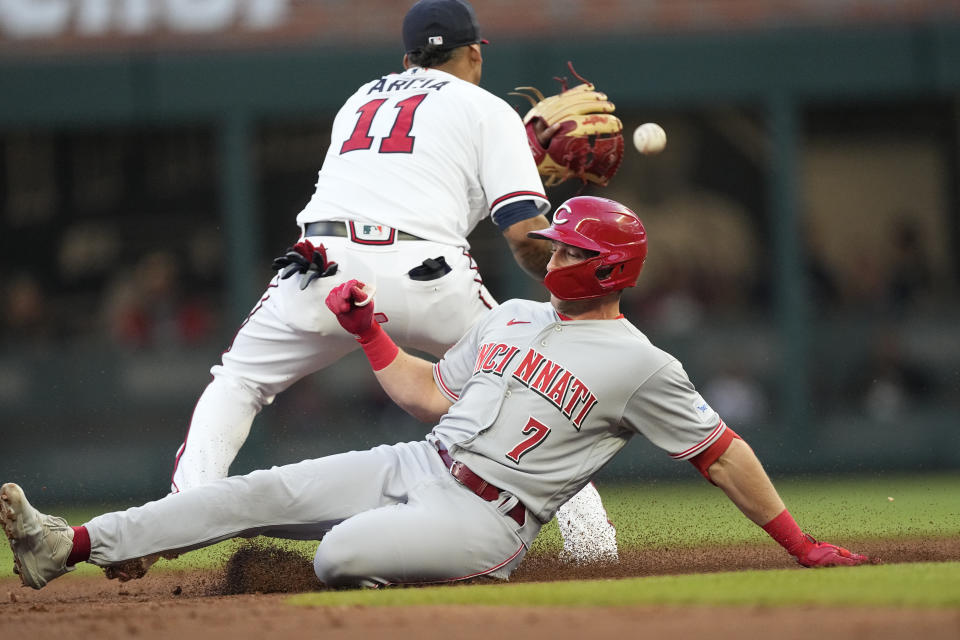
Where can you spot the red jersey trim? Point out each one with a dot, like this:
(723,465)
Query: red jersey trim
(516,194)
(569,319)
(697,448)
(444,389)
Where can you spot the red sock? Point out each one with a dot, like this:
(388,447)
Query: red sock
(785,530)
(81,546)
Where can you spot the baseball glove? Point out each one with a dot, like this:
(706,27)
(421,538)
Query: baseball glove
(586,140)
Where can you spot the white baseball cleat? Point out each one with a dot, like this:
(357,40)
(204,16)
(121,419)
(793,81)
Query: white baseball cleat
(41,544)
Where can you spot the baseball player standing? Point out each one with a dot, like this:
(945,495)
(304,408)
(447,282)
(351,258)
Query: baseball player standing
(416,161)
(529,404)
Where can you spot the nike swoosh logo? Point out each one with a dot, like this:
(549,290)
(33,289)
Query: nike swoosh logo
(515,321)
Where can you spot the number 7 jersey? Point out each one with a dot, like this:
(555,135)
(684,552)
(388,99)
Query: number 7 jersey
(541,404)
(427,153)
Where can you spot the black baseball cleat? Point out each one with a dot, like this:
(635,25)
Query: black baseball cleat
(41,544)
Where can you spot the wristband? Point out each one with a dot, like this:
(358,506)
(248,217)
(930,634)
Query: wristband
(785,530)
(378,346)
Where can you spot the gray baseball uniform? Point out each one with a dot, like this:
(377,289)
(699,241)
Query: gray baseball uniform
(544,404)
(541,404)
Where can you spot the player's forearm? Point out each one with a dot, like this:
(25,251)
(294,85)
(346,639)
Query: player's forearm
(530,253)
(532,258)
(740,475)
(408,380)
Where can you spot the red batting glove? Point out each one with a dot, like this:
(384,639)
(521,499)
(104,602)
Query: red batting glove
(358,320)
(805,548)
(823,554)
(342,301)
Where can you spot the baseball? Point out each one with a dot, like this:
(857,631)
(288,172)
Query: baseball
(649,138)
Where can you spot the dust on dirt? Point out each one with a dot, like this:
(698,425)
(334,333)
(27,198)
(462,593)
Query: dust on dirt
(245,600)
(258,567)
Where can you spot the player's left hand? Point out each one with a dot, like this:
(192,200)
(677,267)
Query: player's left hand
(543,133)
(309,261)
(814,553)
(351,303)
(573,133)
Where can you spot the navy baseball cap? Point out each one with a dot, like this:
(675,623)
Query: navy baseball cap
(445,24)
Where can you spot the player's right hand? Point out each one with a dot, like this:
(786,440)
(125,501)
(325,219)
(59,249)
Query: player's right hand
(348,301)
(823,554)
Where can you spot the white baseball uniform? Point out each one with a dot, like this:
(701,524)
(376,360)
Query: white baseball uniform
(416,161)
(540,404)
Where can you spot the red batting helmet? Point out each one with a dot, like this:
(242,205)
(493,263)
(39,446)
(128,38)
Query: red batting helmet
(607,227)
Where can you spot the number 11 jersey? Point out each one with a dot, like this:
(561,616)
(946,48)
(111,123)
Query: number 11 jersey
(427,153)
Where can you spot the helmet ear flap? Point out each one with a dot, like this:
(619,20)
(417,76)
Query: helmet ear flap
(610,272)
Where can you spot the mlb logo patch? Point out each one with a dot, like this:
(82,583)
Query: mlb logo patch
(371,233)
(701,408)
(374,232)
(435,40)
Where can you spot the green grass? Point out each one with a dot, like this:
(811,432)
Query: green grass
(694,513)
(690,514)
(931,585)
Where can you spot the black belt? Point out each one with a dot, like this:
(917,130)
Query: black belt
(479,486)
(359,232)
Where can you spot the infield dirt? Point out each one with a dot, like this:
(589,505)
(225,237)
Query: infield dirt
(245,601)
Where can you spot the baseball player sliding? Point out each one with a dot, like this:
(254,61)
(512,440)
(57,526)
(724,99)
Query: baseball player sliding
(416,161)
(528,405)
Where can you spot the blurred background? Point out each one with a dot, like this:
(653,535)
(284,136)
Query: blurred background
(804,220)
